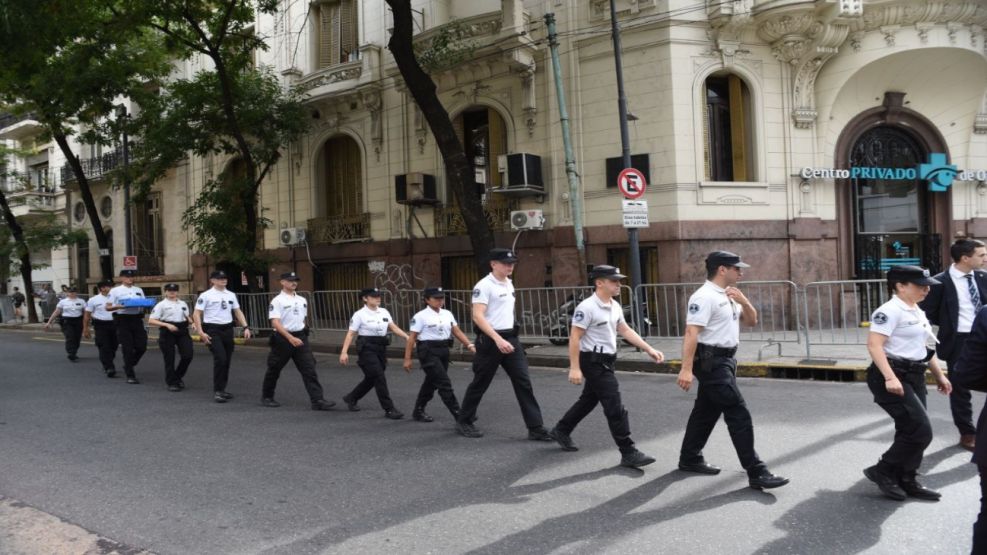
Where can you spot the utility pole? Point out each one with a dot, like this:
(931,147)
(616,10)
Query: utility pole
(575,192)
(634,254)
(128,231)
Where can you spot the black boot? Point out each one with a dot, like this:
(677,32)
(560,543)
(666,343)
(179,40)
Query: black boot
(886,479)
(420,415)
(910,484)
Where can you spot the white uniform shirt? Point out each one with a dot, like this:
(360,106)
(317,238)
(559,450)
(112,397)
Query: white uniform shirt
(173,312)
(433,326)
(499,298)
(907,329)
(72,308)
(966,312)
(217,306)
(120,293)
(290,309)
(600,322)
(96,305)
(371,322)
(719,316)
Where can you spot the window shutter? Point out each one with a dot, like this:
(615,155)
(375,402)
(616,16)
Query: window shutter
(334,34)
(347,30)
(325,35)
(738,128)
(496,143)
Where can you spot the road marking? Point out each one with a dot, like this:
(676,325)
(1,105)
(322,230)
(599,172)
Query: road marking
(48,339)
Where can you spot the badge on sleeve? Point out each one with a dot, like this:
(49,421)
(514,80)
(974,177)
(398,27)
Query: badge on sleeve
(578,316)
(271,308)
(880,318)
(200,301)
(693,308)
(476,292)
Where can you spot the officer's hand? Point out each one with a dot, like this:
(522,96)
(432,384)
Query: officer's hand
(945,387)
(656,355)
(407,365)
(575,376)
(894,387)
(734,294)
(205,338)
(471,348)
(173,329)
(295,342)
(47,326)
(344,358)
(85,333)
(685,379)
(505,346)
(248,335)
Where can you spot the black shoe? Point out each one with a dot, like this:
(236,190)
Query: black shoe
(420,415)
(393,414)
(218,397)
(111,373)
(468,430)
(700,467)
(564,441)
(322,404)
(180,384)
(351,404)
(887,483)
(635,459)
(539,434)
(73,358)
(224,395)
(917,490)
(174,388)
(269,402)
(133,381)
(761,478)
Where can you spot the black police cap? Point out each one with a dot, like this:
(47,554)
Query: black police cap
(606,272)
(911,274)
(716,259)
(369,292)
(128,273)
(290,276)
(434,292)
(503,255)
(105,283)
(171,287)
(218,274)
(72,289)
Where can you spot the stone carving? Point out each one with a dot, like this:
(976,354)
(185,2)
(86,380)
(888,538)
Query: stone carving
(980,120)
(923,28)
(374,103)
(530,105)
(889,32)
(344,72)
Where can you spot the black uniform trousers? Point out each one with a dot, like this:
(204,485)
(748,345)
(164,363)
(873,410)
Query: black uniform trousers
(600,387)
(72,330)
(912,429)
(434,358)
(221,347)
(167,342)
(960,400)
(106,342)
(718,394)
(488,358)
(980,526)
(133,340)
(281,352)
(372,359)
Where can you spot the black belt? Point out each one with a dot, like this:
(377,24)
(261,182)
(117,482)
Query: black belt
(71,317)
(373,339)
(711,351)
(300,333)
(905,365)
(512,332)
(118,315)
(437,343)
(102,322)
(218,326)
(594,356)
(175,323)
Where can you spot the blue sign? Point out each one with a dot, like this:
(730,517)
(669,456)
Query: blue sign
(937,171)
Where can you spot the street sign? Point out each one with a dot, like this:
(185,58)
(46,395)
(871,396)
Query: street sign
(104,252)
(635,214)
(130,263)
(631,183)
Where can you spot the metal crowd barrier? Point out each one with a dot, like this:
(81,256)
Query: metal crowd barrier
(838,312)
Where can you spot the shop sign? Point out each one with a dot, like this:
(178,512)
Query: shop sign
(936,171)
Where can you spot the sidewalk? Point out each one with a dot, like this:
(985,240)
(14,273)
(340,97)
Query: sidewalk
(847,362)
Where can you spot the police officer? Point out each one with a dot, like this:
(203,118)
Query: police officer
(290,342)
(70,309)
(102,321)
(897,341)
(370,325)
(129,322)
(709,348)
(432,329)
(172,316)
(213,316)
(497,344)
(592,353)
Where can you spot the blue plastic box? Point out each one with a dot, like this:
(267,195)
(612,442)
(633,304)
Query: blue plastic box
(136,302)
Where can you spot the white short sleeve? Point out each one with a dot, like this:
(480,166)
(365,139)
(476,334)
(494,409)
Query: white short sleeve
(582,317)
(884,321)
(481,293)
(273,311)
(235,303)
(355,321)
(417,324)
(158,311)
(700,311)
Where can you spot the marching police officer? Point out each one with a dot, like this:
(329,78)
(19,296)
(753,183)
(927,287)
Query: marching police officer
(129,323)
(897,341)
(708,349)
(213,315)
(497,344)
(172,316)
(370,325)
(432,329)
(70,309)
(102,322)
(290,342)
(592,353)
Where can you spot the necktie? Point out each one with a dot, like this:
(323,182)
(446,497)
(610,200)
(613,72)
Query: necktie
(974,293)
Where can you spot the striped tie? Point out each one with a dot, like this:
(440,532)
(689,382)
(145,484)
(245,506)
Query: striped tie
(974,293)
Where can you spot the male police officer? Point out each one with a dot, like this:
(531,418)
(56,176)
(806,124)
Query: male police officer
(102,322)
(952,305)
(497,344)
(213,316)
(70,309)
(129,322)
(290,342)
(708,349)
(592,354)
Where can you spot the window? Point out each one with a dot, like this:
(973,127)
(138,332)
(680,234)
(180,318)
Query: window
(106,207)
(79,212)
(82,264)
(148,235)
(640,162)
(336,32)
(344,178)
(727,130)
(484,136)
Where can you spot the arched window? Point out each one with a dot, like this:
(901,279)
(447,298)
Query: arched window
(728,130)
(343,188)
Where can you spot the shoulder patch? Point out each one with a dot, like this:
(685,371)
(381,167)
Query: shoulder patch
(200,301)
(270,308)
(880,318)
(476,292)
(578,316)
(412,321)
(693,308)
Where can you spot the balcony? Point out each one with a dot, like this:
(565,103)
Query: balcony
(94,168)
(449,219)
(339,229)
(18,127)
(150,262)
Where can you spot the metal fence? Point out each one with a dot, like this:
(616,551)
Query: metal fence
(838,312)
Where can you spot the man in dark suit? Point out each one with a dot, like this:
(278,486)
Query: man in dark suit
(952,306)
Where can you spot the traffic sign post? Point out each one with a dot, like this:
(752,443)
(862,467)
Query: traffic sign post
(129,263)
(631,183)
(635,214)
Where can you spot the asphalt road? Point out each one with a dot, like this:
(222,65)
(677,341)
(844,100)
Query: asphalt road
(178,474)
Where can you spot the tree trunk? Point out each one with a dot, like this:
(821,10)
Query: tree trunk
(105,264)
(458,170)
(24,255)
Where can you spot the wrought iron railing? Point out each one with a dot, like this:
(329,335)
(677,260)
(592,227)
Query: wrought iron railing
(150,263)
(449,219)
(94,168)
(339,229)
(41,181)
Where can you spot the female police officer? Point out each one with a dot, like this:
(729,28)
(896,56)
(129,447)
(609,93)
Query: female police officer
(432,328)
(171,314)
(897,344)
(70,309)
(371,324)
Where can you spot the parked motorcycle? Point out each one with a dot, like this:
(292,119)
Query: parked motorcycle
(561,318)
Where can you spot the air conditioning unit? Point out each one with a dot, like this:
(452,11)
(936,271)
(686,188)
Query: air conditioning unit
(527,220)
(415,189)
(292,236)
(523,171)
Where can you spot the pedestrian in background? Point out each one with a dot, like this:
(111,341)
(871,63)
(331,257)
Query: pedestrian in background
(214,314)
(18,298)
(70,309)
(102,322)
(171,315)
